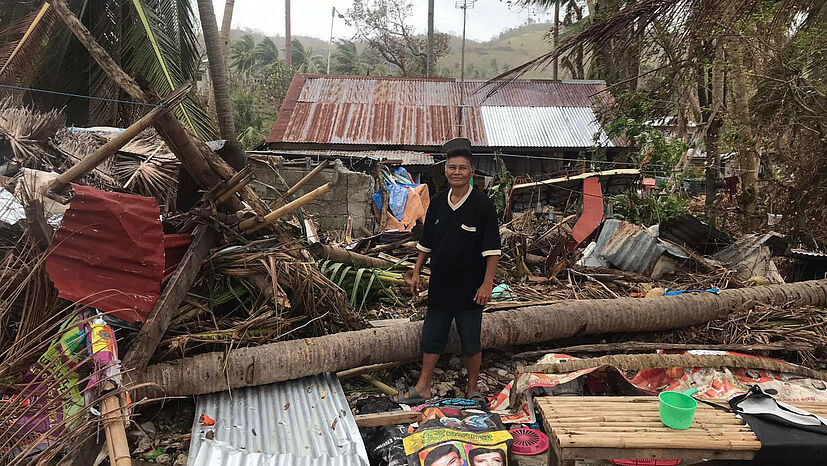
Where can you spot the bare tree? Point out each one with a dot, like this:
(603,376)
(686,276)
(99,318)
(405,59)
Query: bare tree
(384,25)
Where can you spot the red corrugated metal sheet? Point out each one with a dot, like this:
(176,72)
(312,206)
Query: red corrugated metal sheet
(175,246)
(109,253)
(592,210)
(409,111)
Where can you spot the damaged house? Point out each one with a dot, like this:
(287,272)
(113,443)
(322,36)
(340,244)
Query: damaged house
(536,128)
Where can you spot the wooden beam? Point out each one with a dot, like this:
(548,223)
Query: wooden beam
(388,419)
(176,290)
(123,80)
(39,227)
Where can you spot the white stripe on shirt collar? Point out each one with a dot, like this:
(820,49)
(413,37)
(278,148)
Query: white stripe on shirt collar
(461,201)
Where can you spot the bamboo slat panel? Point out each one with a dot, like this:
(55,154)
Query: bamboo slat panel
(634,423)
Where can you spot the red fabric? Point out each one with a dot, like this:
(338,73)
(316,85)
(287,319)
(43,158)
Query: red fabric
(592,210)
(175,246)
(109,253)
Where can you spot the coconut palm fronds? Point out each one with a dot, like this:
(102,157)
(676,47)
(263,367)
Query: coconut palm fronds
(28,133)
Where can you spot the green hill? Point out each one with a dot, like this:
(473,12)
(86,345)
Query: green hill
(483,60)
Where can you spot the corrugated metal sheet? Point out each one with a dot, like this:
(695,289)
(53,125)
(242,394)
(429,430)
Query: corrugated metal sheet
(690,231)
(221,454)
(426,112)
(109,253)
(304,421)
(403,157)
(630,247)
(542,127)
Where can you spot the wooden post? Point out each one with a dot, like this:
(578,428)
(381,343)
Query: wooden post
(176,290)
(278,202)
(255,224)
(383,214)
(123,80)
(112,416)
(116,143)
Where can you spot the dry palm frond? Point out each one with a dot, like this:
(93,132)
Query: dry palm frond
(28,132)
(254,296)
(761,324)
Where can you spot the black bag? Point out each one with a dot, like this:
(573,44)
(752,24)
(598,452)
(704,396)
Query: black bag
(788,435)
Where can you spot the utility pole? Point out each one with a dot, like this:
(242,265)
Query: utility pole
(555,36)
(463,5)
(288,41)
(330,43)
(429,66)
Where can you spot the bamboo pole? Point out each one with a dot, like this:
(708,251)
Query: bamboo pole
(234,188)
(116,143)
(278,202)
(116,443)
(380,385)
(254,224)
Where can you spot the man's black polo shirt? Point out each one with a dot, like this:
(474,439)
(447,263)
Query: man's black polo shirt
(459,237)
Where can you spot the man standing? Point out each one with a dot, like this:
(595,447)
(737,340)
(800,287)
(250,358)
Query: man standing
(463,239)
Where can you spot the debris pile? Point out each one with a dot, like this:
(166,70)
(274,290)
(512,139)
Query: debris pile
(137,264)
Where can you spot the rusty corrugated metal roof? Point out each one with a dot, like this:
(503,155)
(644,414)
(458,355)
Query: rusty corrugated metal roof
(390,111)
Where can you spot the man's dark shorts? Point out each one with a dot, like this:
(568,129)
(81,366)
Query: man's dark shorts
(437,326)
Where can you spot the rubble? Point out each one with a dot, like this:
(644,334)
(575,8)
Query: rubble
(245,280)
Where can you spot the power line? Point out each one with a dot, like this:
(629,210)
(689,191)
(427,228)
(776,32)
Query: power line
(80,96)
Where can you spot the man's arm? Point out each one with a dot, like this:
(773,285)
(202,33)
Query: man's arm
(420,261)
(484,291)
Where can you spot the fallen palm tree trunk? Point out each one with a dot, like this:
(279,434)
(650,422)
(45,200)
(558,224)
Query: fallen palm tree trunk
(627,362)
(212,372)
(323,251)
(634,346)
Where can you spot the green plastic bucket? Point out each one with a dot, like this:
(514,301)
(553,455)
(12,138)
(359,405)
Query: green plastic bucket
(677,410)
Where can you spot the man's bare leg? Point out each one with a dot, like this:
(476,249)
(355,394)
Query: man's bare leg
(423,386)
(473,363)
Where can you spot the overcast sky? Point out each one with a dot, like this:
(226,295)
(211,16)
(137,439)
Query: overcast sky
(312,17)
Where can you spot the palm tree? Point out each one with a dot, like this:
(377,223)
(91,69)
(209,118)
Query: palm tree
(345,59)
(304,61)
(243,54)
(50,58)
(218,70)
(266,52)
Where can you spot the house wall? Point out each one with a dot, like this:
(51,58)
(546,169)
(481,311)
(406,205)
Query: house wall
(350,195)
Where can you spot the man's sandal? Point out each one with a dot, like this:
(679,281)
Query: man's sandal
(411,397)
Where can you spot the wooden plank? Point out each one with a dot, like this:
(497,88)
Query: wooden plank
(637,346)
(176,290)
(388,419)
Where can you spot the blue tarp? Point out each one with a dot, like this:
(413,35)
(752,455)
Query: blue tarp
(398,187)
